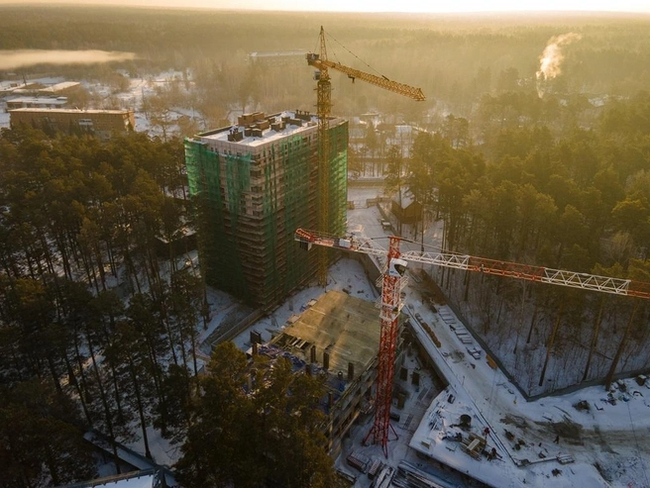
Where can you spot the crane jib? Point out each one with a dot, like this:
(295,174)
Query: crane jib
(540,274)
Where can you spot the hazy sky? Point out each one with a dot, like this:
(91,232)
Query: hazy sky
(383,5)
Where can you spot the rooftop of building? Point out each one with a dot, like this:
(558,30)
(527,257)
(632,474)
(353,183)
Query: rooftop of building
(64,85)
(345,327)
(51,100)
(11,85)
(19,85)
(407,199)
(70,111)
(256,129)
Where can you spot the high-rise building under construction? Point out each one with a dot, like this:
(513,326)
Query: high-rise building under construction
(254,184)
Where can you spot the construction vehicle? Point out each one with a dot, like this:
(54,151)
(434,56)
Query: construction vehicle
(323,110)
(393,281)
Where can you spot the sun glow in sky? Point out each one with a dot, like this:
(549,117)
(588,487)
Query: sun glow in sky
(430,6)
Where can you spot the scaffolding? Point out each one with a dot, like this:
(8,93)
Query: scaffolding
(251,195)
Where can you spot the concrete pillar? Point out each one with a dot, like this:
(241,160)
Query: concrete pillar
(326,360)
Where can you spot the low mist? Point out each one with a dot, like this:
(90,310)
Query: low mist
(21,58)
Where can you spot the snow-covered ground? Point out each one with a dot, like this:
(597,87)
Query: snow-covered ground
(139,89)
(4,115)
(609,437)
(611,430)
(605,433)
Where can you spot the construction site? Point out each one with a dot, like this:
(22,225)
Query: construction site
(335,335)
(269,181)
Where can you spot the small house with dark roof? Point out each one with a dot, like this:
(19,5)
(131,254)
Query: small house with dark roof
(407,209)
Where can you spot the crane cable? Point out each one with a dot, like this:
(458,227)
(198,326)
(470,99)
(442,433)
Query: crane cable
(357,57)
(317,45)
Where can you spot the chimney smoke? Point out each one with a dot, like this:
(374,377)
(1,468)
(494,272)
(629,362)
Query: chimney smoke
(551,59)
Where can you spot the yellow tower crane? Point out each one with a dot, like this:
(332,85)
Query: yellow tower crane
(324,109)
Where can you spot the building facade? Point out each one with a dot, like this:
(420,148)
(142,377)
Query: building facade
(254,184)
(101,123)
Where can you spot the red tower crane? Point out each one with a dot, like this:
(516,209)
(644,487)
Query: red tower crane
(393,282)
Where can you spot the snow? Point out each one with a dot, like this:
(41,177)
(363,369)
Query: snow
(4,116)
(609,440)
(608,443)
(345,274)
(162,451)
(139,482)
(47,80)
(612,434)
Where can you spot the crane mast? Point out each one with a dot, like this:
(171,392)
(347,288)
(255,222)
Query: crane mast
(394,263)
(392,283)
(323,110)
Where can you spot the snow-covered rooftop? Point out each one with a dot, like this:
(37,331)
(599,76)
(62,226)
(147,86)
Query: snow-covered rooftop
(340,324)
(135,479)
(70,111)
(39,100)
(57,87)
(292,126)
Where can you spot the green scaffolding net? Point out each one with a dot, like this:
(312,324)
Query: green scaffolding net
(338,174)
(249,206)
(209,188)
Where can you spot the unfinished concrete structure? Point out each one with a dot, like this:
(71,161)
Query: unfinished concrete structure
(338,335)
(254,184)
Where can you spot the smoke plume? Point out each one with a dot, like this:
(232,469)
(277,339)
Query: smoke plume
(10,60)
(552,57)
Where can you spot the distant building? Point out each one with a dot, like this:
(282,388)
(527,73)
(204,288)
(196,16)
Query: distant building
(257,182)
(101,123)
(408,210)
(36,102)
(337,335)
(60,88)
(18,88)
(8,87)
